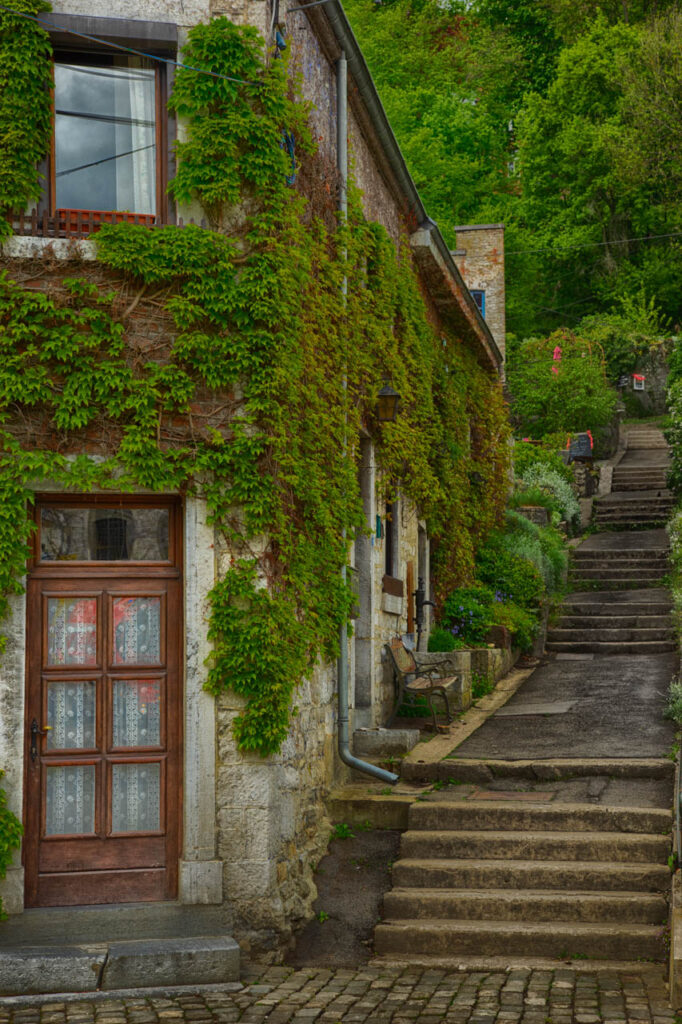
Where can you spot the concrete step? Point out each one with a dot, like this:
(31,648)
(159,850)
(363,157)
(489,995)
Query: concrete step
(612,847)
(622,647)
(527,905)
(640,520)
(590,634)
(523,817)
(635,601)
(552,769)
(638,482)
(559,939)
(582,556)
(616,572)
(614,622)
(587,876)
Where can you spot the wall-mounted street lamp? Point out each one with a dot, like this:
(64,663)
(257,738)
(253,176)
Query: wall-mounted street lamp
(387,404)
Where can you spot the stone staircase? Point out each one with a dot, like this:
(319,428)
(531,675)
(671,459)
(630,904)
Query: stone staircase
(559,880)
(644,508)
(608,622)
(497,873)
(639,495)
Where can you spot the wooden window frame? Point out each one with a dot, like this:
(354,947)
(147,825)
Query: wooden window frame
(158,39)
(171,566)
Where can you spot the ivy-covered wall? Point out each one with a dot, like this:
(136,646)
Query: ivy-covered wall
(225,365)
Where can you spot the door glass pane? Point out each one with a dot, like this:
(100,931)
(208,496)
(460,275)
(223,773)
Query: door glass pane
(136,798)
(104,534)
(71,715)
(137,713)
(72,631)
(105,135)
(70,803)
(137,630)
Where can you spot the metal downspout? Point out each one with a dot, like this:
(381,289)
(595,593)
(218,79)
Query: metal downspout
(342,167)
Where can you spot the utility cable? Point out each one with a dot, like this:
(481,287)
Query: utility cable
(126,49)
(594,245)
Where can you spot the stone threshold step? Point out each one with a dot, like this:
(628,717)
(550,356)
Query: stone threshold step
(514,962)
(525,905)
(143,963)
(442,938)
(104,923)
(450,873)
(542,844)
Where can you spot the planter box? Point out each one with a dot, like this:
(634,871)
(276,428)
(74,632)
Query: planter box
(73,222)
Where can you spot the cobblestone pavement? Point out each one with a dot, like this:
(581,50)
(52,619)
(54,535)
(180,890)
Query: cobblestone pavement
(377,995)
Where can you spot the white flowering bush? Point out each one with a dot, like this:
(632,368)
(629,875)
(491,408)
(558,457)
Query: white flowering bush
(547,479)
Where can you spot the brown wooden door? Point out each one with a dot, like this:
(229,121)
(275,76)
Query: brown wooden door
(102,723)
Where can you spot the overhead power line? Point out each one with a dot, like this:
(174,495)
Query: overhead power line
(126,49)
(594,245)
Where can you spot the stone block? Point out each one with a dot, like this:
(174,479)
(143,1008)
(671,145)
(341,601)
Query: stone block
(201,881)
(50,969)
(206,960)
(392,604)
(379,743)
(500,637)
(535,513)
(12,891)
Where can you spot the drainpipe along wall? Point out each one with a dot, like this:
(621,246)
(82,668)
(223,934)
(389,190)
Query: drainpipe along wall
(342,167)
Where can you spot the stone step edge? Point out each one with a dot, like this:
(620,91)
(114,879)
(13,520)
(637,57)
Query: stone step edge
(462,962)
(543,769)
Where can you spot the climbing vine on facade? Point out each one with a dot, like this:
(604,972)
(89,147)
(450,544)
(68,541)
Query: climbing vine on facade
(254,306)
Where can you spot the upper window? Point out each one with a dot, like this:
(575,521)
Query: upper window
(106,134)
(479,298)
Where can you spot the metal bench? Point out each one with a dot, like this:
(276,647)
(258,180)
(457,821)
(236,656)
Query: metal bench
(417,681)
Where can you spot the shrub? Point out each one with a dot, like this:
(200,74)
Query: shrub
(10,837)
(673,707)
(547,479)
(441,639)
(466,613)
(545,454)
(535,496)
(522,624)
(511,574)
(673,435)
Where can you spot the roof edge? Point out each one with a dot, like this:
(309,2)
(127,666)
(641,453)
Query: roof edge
(357,66)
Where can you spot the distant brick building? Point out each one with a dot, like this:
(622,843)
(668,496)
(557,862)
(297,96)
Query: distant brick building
(480,260)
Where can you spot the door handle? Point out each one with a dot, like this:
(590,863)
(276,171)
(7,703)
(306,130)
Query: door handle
(35,733)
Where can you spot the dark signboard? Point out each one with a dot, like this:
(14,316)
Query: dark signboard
(581,447)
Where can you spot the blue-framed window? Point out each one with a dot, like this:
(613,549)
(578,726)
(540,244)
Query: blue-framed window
(479,298)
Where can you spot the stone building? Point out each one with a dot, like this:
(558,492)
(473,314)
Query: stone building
(480,260)
(193,823)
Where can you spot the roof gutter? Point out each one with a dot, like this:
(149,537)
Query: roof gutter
(357,67)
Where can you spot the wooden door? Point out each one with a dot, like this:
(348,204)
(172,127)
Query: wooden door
(103,705)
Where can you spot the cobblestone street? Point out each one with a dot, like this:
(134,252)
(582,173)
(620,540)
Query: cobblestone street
(376,994)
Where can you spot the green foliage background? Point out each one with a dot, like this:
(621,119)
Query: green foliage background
(560,119)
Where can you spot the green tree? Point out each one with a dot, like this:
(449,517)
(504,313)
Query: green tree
(559,384)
